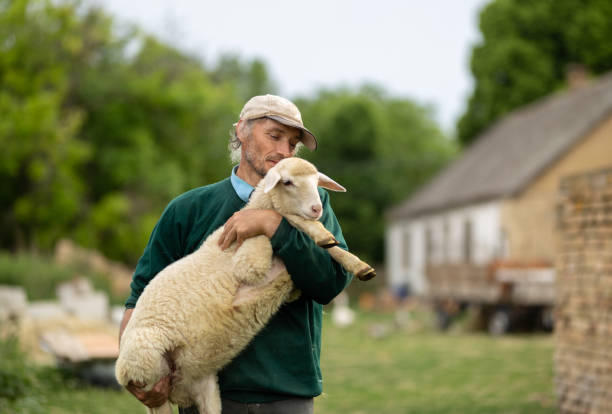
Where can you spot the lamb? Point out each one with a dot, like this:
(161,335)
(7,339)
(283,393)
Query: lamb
(198,313)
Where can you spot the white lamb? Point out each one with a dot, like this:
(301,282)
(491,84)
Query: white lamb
(202,310)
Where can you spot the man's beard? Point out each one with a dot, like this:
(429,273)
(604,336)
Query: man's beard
(250,159)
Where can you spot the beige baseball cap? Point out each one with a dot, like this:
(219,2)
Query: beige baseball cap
(280,110)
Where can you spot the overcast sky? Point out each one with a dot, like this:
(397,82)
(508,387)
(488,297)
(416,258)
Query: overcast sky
(414,49)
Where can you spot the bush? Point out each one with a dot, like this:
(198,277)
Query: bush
(39,275)
(23,385)
(15,378)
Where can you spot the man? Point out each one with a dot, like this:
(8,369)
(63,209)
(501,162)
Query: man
(279,371)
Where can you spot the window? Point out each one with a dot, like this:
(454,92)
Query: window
(406,249)
(446,242)
(467,241)
(429,247)
(503,245)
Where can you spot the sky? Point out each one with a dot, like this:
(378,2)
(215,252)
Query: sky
(418,50)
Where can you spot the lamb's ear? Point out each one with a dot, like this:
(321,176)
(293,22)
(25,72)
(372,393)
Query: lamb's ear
(326,182)
(270,180)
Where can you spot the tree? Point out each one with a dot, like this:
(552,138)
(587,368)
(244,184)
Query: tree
(249,78)
(380,148)
(101,127)
(158,126)
(41,190)
(525,53)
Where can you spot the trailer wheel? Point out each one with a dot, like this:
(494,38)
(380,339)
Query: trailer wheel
(547,319)
(443,319)
(446,310)
(499,322)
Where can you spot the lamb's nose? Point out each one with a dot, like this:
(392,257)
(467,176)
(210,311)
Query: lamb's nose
(316,209)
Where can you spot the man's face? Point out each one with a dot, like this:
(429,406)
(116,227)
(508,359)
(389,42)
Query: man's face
(268,143)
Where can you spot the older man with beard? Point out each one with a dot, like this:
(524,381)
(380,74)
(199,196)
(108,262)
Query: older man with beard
(279,371)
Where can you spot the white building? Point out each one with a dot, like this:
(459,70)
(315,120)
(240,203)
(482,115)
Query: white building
(470,234)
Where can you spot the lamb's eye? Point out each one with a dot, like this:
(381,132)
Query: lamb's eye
(287,183)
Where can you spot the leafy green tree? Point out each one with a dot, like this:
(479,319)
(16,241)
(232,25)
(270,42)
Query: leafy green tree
(248,78)
(41,190)
(380,148)
(158,126)
(525,53)
(101,127)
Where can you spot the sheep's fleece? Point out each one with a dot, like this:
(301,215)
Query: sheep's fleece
(202,310)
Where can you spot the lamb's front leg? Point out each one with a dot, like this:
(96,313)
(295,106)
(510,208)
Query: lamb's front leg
(317,231)
(321,235)
(352,263)
(252,260)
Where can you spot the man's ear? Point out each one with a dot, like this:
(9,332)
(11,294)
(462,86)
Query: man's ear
(326,182)
(271,179)
(239,125)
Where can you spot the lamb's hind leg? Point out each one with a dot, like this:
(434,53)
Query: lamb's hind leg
(165,408)
(206,395)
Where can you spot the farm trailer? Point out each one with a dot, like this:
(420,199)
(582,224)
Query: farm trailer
(505,295)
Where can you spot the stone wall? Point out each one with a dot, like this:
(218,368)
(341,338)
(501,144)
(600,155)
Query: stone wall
(583,326)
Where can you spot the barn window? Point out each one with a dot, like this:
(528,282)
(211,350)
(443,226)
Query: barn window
(503,244)
(467,241)
(446,242)
(406,249)
(429,247)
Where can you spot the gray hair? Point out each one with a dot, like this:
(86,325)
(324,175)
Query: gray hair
(235,144)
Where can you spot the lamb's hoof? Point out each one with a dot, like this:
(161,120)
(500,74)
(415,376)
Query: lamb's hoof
(328,243)
(366,274)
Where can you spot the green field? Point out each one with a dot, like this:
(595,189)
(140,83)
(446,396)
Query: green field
(409,370)
(420,371)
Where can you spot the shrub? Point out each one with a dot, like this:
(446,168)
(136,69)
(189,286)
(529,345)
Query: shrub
(39,275)
(23,386)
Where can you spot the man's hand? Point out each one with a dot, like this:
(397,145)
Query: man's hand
(249,223)
(154,397)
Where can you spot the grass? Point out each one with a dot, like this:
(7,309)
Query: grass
(26,388)
(412,370)
(420,371)
(94,401)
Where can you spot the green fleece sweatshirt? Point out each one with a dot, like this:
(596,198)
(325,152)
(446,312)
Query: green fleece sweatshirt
(282,361)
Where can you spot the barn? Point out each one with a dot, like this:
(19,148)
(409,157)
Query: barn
(492,213)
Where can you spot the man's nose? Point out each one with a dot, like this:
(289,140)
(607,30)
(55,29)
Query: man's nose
(284,147)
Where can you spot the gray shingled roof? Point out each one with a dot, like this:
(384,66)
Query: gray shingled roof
(515,150)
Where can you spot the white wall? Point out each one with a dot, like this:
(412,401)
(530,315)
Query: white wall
(447,245)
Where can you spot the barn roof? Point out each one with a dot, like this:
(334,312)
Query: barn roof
(515,150)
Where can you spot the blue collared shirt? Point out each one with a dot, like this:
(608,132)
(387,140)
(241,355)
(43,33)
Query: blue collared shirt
(242,188)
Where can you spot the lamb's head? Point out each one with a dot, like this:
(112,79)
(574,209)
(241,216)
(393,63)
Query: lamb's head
(292,186)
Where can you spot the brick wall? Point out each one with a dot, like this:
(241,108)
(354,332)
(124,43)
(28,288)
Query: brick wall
(583,326)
